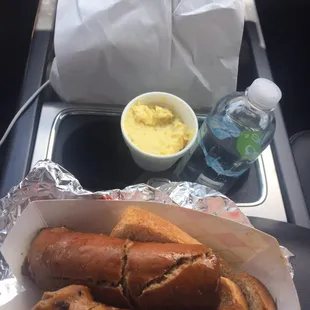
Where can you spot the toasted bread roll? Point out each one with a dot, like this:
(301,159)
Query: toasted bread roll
(256,294)
(73,297)
(140,225)
(186,276)
(226,270)
(58,257)
(125,274)
(231,296)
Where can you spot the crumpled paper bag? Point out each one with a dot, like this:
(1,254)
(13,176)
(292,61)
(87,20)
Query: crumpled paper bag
(111,51)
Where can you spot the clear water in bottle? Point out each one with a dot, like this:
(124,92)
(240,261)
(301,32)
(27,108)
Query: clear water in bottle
(231,138)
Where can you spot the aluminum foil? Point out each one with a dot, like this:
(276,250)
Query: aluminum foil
(48,180)
(287,254)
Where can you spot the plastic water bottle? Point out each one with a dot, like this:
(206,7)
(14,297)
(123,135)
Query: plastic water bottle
(231,138)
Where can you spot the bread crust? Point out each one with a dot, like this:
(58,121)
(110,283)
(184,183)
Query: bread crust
(231,296)
(73,297)
(124,274)
(143,226)
(59,257)
(140,225)
(187,270)
(255,292)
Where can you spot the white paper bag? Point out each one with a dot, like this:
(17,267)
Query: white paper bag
(111,51)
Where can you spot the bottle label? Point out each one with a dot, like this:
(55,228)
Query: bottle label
(249,144)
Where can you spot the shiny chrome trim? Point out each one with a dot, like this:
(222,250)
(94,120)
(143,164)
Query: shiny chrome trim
(45,17)
(263,183)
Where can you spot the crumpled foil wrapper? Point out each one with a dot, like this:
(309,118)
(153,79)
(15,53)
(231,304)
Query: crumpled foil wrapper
(48,180)
(287,254)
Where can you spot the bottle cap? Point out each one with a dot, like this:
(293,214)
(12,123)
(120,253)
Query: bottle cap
(264,94)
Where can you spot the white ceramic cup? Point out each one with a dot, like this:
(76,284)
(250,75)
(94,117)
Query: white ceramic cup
(158,163)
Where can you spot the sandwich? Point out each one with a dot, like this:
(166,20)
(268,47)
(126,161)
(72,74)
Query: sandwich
(231,296)
(73,297)
(143,226)
(256,293)
(147,263)
(140,225)
(126,274)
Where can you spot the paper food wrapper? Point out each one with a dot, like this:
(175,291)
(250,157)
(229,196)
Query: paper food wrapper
(111,51)
(244,247)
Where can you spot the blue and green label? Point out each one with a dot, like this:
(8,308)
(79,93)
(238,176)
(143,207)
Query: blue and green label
(249,144)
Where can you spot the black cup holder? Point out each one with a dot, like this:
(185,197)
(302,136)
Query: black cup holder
(91,147)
